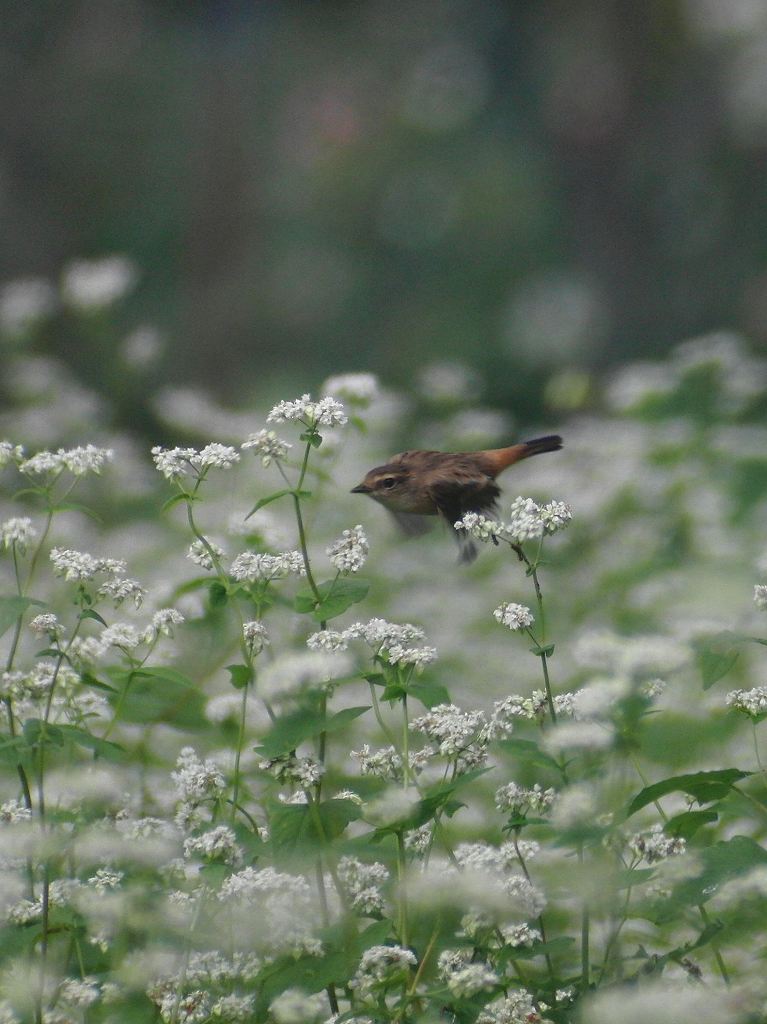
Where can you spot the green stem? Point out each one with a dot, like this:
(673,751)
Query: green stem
(402,926)
(585,937)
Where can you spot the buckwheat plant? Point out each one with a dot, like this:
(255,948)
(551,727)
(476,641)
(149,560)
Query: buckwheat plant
(242,783)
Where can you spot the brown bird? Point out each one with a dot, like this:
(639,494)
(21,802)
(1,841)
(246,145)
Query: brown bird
(416,484)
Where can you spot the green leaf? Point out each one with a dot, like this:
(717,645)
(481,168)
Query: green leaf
(35,730)
(685,825)
(159,695)
(217,594)
(294,826)
(87,679)
(335,597)
(74,506)
(15,750)
(716,655)
(701,786)
(429,694)
(89,613)
(13,607)
(241,675)
(261,503)
(176,499)
(290,730)
(530,753)
(720,862)
(104,748)
(540,650)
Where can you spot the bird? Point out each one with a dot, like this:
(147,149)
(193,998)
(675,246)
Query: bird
(417,484)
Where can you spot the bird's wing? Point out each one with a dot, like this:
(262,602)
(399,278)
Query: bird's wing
(412,525)
(461,491)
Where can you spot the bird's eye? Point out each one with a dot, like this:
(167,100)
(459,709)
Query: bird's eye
(388,482)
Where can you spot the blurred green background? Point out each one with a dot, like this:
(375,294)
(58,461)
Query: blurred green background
(319,187)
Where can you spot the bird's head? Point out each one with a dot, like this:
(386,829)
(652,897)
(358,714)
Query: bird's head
(390,485)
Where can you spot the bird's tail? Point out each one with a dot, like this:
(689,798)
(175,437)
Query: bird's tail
(500,458)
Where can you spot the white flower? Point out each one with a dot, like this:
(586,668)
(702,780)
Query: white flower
(328,640)
(95,284)
(121,634)
(752,702)
(163,621)
(195,779)
(200,553)
(256,636)
(218,844)
(349,552)
(41,462)
(518,801)
(362,884)
(10,453)
(47,625)
(418,656)
(516,1008)
(453,729)
(87,459)
(469,980)
(525,522)
(760,596)
(251,567)
(357,388)
(327,412)
(555,516)
(79,565)
(654,845)
(515,616)
(173,462)
(296,1007)
(17,531)
(266,444)
(379,965)
(120,589)
(220,456)
(479,526)
(24,302)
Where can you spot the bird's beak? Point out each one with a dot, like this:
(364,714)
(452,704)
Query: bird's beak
(360,489)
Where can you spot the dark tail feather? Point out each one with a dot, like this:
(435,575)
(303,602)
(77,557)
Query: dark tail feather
(550,443)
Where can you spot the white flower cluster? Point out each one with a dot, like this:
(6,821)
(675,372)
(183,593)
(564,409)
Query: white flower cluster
(267,445)
(464,978)
(386,639)
(499,860)
(218,844)
(654,845)
(460,735)
(256,637)
(10,453)
(285,906)
(751,702)
(17,531)
(326,412)
(518,800)
(250,567)
(357,388)
(120,589)
(381,967)
(24,302)
(362,884)
(79,461)
(527,521)
(200,553)
(197,780)
(174,463)
(299,771)
(79,565)
(517,1007)
(294,1006)
(386,763)
(95,284)
(349,552)
(515,616)
(760,596)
